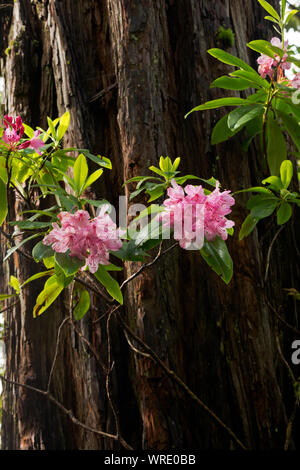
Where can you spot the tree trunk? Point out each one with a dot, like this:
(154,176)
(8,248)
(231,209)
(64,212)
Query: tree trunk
(128,72)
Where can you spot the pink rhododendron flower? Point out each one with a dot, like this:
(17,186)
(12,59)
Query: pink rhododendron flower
(295,83)
(33,143)
(267,64)
(87,239)
(14,131)
(195,215)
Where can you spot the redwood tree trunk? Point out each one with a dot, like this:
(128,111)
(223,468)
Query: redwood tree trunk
(149,59)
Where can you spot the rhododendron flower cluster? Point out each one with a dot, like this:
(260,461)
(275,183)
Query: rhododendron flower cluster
(87,239)
(193,214)
(14,131)
(267,64)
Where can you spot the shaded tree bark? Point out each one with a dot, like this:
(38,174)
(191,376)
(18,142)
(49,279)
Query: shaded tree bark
(149,61)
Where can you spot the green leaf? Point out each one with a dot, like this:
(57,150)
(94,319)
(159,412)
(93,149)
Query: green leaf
(262,206)
(252,77)
(269,9)
(183,179)
(240,116)
(221,131)
(63,125)
(69,264)
(6,296)
(248,225)
(15,284)
(52,127)
(130,252)
(16,247)
(218,258)
(228,83)
(284,213)
(230,59)
(110,284)
(290,16)
(230,101)
(92,178)
(51,291)
(156,191)
(283,8)
(286,173)
(274,182)
(3,170)
(276,146)
(83,304)
(292,127)
(28,131)
(263,47)
(80,173)
(3,202)
(270,18)
(38,276)
(41,251)
(255,189)
(30,224)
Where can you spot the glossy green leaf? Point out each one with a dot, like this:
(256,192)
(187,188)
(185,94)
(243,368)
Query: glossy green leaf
(38,276)
(64,123)
(252,77)
(218,258)
(292,126)
(69,264)
(92,178)
(286,173)
(274,182)
(219,103)
(82,304)
(221,131)
(248,226)
(240,116)
(15,284)
(228,83)
(262,206)
(284,213)
(3,202)
(110,284)
(276,146)
(263,47)
(41,251)
(51,291)
(80,173)
(229,59)
(269,9)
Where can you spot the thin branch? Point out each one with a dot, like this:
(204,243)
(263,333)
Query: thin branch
(10,306)
(171,374)
(65,320)
(69,413)
(290,425)
(291,327)
(147,265)
(269,252)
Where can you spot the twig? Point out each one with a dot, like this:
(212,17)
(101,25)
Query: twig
(56,351)
(179,382)
(291,327)
(102,92)
(147,265)
(269,252)
(69,413)
(290,426)
(10,306)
